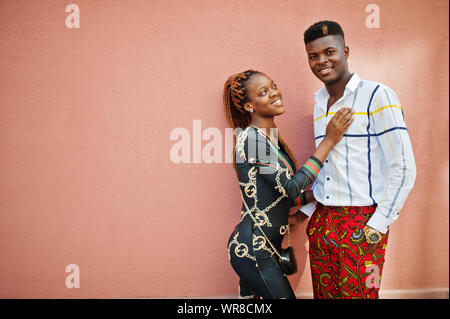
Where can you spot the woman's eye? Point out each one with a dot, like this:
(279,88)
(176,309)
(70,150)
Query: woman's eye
(330,52)
(274,86)
(263,92)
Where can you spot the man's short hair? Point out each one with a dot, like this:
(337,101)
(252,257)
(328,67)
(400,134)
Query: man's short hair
(322,29)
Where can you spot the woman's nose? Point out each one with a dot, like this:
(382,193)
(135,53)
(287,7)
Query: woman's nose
(274,92)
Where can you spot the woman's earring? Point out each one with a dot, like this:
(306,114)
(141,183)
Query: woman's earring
(251,110)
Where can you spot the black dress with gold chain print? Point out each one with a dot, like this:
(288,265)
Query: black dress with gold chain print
(270,186)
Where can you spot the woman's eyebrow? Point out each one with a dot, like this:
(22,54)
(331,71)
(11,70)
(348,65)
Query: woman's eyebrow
(265,85)
(262,87)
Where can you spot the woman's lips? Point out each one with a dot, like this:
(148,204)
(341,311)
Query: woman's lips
(276,102)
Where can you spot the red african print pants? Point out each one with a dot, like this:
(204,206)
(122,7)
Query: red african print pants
(343,265)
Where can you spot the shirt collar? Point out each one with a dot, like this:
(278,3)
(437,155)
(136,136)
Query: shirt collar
(351,86)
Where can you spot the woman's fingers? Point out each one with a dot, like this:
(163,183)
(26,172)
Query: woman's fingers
(348,117)
(348,123)
(340,114)
(343,116)
(339,123)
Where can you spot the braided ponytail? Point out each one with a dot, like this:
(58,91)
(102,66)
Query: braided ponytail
(234,98)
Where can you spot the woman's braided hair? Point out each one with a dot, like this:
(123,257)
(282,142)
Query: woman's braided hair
(234,98)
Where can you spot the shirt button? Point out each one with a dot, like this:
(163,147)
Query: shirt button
(328,178)
(326,161)
(328,197)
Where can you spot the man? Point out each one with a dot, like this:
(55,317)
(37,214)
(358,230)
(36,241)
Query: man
(366,178)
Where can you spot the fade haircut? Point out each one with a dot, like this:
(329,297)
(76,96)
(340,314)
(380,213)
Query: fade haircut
(322,29)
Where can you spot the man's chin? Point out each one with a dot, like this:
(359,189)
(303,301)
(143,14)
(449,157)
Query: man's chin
(328,79)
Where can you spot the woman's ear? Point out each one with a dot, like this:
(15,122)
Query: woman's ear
(248,107)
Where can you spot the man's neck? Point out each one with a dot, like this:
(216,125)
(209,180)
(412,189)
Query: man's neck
(336,89)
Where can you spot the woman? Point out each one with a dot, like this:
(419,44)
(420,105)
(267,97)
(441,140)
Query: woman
(270,184)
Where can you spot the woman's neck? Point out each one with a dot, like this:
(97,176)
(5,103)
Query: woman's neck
(263,123)
(266,125)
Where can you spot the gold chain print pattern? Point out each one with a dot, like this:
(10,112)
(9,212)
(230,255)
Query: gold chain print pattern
(241,249)
(269,185)
(250,191)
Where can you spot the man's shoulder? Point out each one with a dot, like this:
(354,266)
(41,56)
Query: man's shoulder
(380,93)
(371,86)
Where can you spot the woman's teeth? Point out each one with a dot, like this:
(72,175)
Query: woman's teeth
(277,102)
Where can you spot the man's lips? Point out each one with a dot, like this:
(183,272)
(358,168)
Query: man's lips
(325,71)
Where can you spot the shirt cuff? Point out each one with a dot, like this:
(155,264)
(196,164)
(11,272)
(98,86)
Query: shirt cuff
(379,222)
(308,209)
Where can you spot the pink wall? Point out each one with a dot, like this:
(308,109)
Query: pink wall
(86,115)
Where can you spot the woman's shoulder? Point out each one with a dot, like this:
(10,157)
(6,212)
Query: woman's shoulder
(244,139)
(246,135)
(242,133)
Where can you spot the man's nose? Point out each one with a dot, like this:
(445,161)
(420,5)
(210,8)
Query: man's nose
(323,58)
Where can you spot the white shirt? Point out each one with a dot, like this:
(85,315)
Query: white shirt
(374,161)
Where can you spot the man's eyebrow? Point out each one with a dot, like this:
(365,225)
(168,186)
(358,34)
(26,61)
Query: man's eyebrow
(334,48)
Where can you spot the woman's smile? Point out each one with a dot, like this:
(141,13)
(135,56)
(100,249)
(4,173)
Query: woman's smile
(277,102)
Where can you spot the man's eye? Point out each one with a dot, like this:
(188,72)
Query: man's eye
(263,92)
(312,57)
(330,52)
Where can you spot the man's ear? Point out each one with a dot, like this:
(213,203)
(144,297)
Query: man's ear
(346,52)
